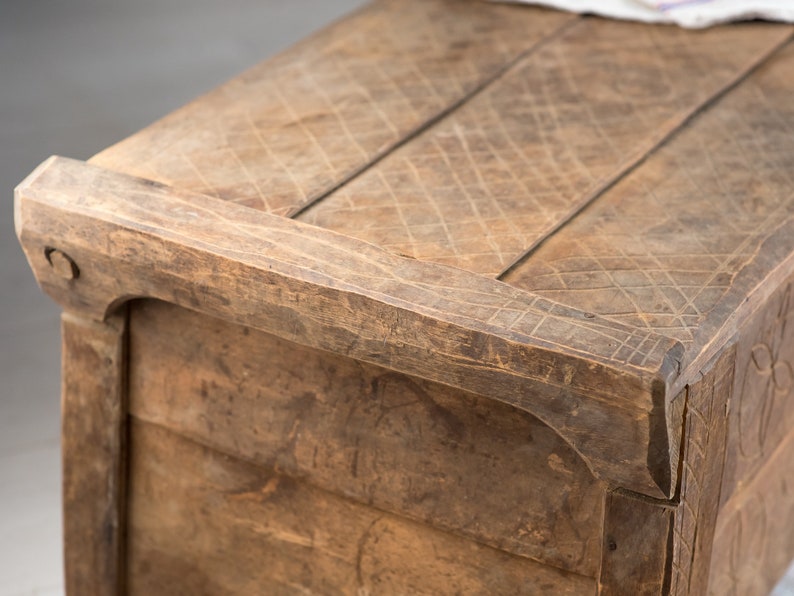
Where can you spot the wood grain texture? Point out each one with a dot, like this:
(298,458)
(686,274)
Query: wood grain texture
(754,541)
(696,238)
(664,547)
(93,450)
(635,546)
(291,129)
(762,409)
(602,388)
(202,522)
(316,412)
(702,463)
(506,169)
(446,457)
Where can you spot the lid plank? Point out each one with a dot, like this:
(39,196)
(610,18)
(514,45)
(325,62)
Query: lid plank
(631,184)
(680,245)
(293,128)
(504,171)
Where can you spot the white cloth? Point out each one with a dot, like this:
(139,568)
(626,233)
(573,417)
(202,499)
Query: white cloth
(687,13)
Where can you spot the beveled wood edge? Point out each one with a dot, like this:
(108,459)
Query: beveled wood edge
(753,286)
(96,239)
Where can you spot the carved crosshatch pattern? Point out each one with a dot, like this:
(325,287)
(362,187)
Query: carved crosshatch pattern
(701,463)
(649,254)
(504,170)
(617,314)
(294,127)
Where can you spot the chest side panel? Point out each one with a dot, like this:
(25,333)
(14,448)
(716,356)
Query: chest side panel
(445,457)
(762,410)
(203,522)
(754,541)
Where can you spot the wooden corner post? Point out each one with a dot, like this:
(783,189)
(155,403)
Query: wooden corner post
(93,409)
(93,443)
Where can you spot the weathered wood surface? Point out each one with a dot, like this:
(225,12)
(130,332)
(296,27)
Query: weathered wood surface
(642,224)
(705,436)
(291,129)
(664,547)
(754,538)
(762,408)
(696,238)
(93,451)
(754,541)
(601,387)
(202,522)
(634,549)
(449,458)
(505,170)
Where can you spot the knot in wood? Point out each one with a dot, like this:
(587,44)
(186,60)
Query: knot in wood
(62,263)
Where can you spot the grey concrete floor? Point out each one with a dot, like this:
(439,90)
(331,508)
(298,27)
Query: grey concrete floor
(74,78)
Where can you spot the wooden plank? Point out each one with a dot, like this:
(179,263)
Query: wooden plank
(635,548)
(664,547)
(602,388)
(505,170)
(202,522)
(762,409)
(446,457)
(693,241)
(93,451)
(754,541)
(294,127)
(702,464)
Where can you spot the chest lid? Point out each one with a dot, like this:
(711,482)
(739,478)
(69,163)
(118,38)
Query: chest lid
(564,213)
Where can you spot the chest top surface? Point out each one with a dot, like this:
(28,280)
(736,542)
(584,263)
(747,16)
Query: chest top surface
(617,193)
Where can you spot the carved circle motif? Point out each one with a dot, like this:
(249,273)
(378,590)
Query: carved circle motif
(747,551)
(768,379)
(61,263)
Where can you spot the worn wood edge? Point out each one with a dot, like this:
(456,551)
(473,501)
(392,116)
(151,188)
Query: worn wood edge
(94,453)
(777,253)
(131,238)
(704,443)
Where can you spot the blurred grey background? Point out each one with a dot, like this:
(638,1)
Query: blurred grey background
(74,78)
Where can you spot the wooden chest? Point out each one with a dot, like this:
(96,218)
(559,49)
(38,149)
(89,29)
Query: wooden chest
(452,298)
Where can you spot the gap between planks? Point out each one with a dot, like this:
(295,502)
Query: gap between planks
(441,115)
(644,152)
